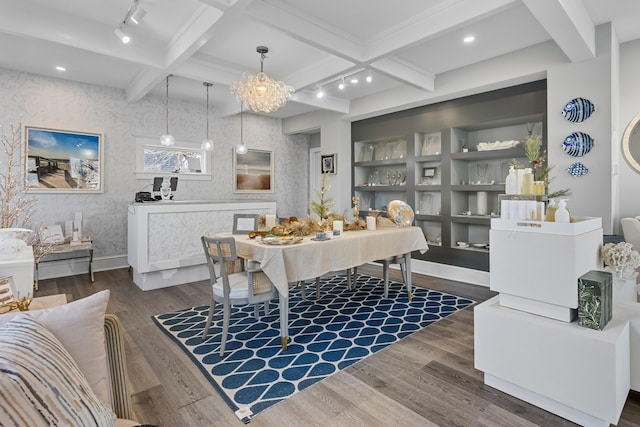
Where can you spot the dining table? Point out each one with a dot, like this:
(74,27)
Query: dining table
(308,258)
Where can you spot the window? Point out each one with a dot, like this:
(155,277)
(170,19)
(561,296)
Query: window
(184,158)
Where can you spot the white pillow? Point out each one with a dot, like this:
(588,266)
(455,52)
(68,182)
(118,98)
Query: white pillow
(79,325)
(41,384)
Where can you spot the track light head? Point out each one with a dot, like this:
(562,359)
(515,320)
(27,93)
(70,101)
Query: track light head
(137,14)
(122,35)
(320,93)
(342,84)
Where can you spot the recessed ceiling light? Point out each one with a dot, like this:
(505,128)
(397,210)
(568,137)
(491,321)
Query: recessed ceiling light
(59,68)
(469,39)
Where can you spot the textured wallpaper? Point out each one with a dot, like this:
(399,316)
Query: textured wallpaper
(62,104)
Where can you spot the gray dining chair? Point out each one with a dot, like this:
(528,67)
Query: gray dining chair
(231,285)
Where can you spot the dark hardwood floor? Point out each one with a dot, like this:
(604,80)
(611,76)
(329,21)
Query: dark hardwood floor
(427,379)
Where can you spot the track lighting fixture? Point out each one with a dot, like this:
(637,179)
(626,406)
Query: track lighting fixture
(135,15)
(369,78)
(320,93)
(342,84)
(138,13)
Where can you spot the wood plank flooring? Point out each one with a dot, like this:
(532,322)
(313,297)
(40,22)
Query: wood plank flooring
(427,379)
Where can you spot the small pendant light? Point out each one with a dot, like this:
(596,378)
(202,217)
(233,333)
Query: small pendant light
(242,148)
(167,139)
(207,143)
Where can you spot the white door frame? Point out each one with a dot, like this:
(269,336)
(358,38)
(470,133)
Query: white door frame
(315,175)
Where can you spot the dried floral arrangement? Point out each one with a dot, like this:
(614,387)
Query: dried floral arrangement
(17,206)
(533,151)
(621,257)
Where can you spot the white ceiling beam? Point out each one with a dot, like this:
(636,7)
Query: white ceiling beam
(569,24)
(397,69)
(207,71)
(312,74)
(330,103)
(195,33)
(432,22)
(305,30)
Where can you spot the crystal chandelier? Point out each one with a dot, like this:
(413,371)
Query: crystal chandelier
(258,92)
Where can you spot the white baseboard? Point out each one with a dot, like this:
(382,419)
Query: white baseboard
(53,269)
(450,272)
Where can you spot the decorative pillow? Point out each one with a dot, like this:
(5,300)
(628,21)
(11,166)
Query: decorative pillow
(79,326)
(40,382)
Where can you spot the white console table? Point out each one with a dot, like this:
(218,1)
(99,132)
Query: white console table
(164,247)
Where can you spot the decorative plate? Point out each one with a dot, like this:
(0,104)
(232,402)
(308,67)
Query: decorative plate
(578,144)
(400,213)
(578,169)
(281,240)
(578,110)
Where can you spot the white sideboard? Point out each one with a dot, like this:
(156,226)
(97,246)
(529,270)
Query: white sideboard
(164,246)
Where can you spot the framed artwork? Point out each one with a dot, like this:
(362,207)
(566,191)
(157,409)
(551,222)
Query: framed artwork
(253,171)
(328,163)
(63,161)
(244,223)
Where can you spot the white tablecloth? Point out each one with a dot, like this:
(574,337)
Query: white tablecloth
(309,259)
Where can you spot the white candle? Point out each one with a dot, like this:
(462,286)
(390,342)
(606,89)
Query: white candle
(371,223)
(338,225)
(270,221)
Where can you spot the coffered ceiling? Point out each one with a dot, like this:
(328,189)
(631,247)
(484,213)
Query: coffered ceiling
(312,44)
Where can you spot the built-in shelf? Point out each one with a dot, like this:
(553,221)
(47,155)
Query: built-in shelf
(435,148)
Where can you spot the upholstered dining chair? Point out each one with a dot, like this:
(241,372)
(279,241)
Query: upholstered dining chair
(231,286)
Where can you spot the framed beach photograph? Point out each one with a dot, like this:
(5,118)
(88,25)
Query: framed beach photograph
(63,161)
(253,171)
(329,163)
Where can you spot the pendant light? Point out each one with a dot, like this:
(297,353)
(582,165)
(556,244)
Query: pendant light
(242,148)
(167,139)
(207,143)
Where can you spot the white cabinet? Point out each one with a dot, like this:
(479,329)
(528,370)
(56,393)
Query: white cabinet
(536,265)
(164,247)
(20,268)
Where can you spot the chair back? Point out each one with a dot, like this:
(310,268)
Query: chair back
(221,251)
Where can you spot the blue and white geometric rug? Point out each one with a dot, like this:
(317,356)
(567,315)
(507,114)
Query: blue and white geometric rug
(326,335)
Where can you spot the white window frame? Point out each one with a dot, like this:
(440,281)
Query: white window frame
(145,142)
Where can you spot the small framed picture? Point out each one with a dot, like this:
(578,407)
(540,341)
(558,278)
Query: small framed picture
(429,172)
(51,234)
(244,223)
(329,163)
